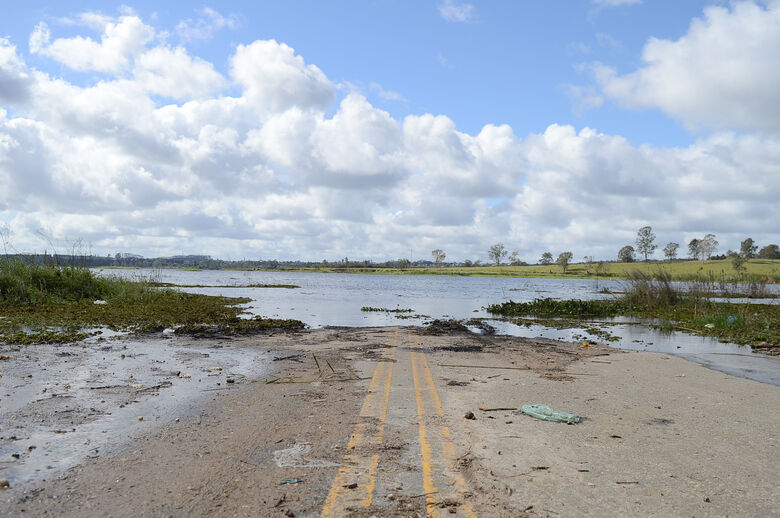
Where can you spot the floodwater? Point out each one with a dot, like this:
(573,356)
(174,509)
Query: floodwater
(332,299)
(62,403)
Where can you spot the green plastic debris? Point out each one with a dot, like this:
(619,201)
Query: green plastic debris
(548,414)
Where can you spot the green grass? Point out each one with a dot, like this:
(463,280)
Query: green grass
(758,269)
(41,303)
(654,297)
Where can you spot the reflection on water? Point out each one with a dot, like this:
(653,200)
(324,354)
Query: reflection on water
(335,300)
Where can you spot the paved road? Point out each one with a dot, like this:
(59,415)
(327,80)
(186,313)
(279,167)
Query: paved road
(402,395)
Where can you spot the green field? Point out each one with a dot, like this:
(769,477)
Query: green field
(754,269)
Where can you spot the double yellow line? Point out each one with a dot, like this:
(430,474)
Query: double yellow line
(438,453)
(354,484)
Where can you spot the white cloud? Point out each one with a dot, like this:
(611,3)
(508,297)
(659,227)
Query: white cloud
(206,25)
(453,11)
(173,73)
(284,167)
(120,41)
(274,78)
(723,73)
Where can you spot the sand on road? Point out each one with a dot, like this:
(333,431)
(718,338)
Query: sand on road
(372,422)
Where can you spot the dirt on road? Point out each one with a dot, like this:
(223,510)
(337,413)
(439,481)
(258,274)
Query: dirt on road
(379,422)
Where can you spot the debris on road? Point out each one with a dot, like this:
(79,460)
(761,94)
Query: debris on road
(290,481)
(548,414)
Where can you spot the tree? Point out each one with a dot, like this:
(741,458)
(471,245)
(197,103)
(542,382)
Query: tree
(769,252)
(693,249)
(514,259)
(497,252)
(644,241)
(438,256)
(670,251)
(626,254)
(707,246)
(563,260)
(546,258)
(747,249)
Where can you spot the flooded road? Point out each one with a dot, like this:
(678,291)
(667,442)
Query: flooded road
(332,299)
(62,403)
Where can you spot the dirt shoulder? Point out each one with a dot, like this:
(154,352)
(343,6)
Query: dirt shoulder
(661,436)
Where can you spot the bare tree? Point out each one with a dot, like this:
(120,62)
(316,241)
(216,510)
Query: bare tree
(438,256)
(547,258)
(644,241)
(564,258)
(497,252)
(670,251)
(626,254)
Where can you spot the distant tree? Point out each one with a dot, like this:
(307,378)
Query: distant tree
(670,251)
(769,252)
(497,252)
(693,249)
(564,258)
(588,259)
(467,262)
(403,263)
(478,262)
(438,256)
(626,254)
(748,249)
(707,246)
(514,259)
(644,241)
(547,258)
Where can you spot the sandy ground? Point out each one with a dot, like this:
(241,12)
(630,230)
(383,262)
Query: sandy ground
(376,426)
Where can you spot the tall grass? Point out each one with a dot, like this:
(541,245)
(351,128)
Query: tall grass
(24,283)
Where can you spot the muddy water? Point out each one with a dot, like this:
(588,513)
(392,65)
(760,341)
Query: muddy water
(336,300)
(60,404)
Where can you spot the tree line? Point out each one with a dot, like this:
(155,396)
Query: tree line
(698,249)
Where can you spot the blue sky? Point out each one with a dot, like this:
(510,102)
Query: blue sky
(511,62)
(372,127)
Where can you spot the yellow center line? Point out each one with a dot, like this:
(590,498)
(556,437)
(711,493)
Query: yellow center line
(360,467)
(438,467)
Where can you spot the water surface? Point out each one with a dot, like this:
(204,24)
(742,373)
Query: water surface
(334,299)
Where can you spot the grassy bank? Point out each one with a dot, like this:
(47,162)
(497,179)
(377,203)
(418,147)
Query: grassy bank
(757,269)
(41,303)
(654,297)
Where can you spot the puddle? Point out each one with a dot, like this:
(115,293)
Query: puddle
(63,403)
(730,358)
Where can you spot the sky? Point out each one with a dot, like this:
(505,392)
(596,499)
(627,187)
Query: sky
(384,129)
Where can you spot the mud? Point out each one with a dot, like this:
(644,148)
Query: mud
(207,447)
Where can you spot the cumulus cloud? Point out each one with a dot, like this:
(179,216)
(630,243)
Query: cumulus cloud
(173,73)
(722,74)
(275,160)
(120,41)
(274,78)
